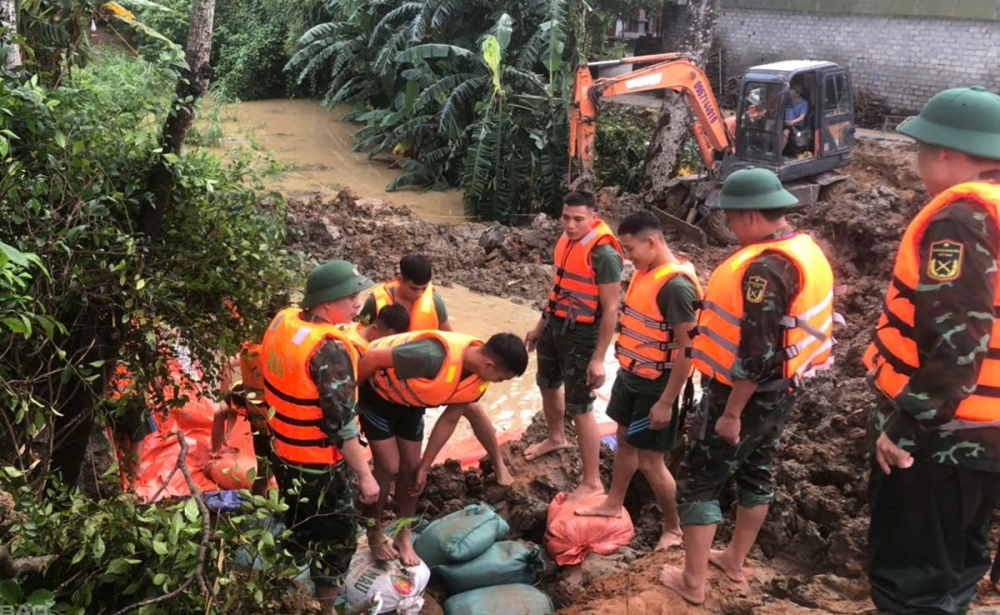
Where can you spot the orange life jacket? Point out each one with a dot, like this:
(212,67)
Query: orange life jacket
(423,314)
(646,345)
(448,387)
(353,334)
(808,324)
(892,358)
(575,294)
(289,344)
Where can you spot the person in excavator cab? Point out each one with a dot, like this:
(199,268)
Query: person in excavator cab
(795,120)
(412,288)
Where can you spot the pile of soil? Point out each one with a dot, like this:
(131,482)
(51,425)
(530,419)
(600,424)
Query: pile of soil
(374,234)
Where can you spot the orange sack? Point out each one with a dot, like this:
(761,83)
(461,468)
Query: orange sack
(569,538)
(229,469)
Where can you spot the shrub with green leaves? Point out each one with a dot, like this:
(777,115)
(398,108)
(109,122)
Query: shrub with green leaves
(623,135)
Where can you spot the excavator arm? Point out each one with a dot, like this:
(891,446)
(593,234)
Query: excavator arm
(672,72)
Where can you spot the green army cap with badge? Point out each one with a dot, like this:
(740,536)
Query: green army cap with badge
(331,281)
(755,189)
(964,120)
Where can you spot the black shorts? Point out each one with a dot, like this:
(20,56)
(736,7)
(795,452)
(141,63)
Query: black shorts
(382,419)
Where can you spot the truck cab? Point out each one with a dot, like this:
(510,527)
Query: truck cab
(822,142)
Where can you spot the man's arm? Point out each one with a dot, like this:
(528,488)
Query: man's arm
(444,321)
(373,361)
(681,370)
(953,318)
(610,297)
(608,266)
(332,371)
(443,429)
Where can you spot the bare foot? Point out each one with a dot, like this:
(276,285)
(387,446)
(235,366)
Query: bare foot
(670,539)
(504,477)
(673,578)
(382,550)
(719,560)
(404,545)
(585,491)
(604,509)
(546,446)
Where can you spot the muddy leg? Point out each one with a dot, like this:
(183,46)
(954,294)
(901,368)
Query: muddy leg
(626,462)
(588,434)
(654,468)
(409,460)
(690,582)
(385,457)
(748,524)
(554,406)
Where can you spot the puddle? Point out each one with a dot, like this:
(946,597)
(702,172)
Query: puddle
(317,148)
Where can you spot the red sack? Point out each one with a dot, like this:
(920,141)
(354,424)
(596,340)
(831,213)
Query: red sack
(569,538)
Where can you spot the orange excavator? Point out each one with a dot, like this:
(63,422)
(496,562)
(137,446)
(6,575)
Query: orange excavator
(795,118)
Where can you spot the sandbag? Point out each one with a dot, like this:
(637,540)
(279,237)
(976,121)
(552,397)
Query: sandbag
(515,599)
(460,536)
(402,588)
(503,563)
(569,538)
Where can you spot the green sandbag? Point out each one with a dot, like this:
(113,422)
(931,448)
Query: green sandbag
(515,599)
(460,536)
(505,562)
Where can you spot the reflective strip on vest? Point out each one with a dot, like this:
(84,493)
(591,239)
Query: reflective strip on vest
(296,417)
(423,313)
(807,328)
(444,389)
(646,345)
(575,294)
(893,357)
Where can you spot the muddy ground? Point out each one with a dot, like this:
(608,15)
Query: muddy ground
(811,549)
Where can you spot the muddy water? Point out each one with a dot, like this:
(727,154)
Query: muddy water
(510,404)
(316,147)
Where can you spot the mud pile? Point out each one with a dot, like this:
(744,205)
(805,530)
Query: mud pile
(374,234)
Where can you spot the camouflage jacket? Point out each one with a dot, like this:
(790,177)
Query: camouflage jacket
(331,369)
(953,322)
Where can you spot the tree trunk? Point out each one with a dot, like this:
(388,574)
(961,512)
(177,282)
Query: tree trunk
(674,126)
(191,86)
(8,21)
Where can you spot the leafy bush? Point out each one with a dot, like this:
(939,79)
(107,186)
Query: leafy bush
(623,135)
(82,292)
(473,93)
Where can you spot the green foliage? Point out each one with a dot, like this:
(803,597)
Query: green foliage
(473,93)
(115,553)
(623,135)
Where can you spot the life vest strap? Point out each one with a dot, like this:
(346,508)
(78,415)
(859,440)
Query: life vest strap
(569,275)
(653,323)
(641,362)
(291,399)
(717,368)
(732,319)
(792,322)
(312,443)
(718,339)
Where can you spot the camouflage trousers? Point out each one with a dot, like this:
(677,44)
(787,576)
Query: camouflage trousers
(323,519)
(563,355)
(710,462)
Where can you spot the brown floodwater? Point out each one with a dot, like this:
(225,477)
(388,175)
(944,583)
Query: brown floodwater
(316,147)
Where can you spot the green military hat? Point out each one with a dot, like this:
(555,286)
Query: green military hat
(331,281)
(965,120)
(755,189)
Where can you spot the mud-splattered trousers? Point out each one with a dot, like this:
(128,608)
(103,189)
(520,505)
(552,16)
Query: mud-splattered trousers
(711,462)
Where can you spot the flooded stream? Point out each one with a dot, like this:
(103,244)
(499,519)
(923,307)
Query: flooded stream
(315,147)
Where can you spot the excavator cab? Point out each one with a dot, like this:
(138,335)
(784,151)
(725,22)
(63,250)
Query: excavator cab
(816,145)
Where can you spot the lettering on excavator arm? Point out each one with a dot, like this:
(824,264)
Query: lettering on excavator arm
(706,102)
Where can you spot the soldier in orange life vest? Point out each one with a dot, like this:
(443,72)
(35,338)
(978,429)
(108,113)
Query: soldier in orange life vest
(405,374)
(413,290)
(653,336)
(935,358)
(574,333)
(310,370)
(753,347)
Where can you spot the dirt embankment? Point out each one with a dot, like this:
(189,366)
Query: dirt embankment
(811,549)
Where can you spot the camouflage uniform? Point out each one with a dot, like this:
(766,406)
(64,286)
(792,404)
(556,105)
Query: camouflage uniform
(321,510)
(928,537)
(564,351)
(710,461)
